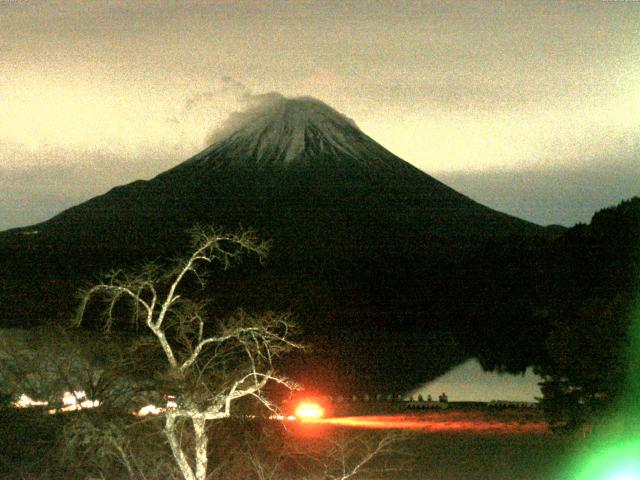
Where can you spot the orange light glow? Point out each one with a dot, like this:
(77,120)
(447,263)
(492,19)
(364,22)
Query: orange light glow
(461,423)
(309,411)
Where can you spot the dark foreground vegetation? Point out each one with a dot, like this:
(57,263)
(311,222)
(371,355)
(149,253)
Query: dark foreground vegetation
(39,446)
(563,303)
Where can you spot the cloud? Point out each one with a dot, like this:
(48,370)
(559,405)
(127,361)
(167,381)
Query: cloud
(230,84)
(225,86)
(206,111)
(252,108)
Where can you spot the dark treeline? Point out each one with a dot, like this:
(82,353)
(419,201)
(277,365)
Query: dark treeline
(564,305)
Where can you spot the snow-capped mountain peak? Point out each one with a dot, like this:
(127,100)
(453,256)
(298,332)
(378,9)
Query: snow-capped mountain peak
(281,130)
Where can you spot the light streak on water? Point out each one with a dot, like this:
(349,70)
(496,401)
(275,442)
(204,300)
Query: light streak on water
(462,422)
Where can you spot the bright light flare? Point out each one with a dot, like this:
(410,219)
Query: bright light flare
(611,457)
(309,411)
(624,473)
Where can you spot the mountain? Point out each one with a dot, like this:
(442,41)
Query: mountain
(367,250)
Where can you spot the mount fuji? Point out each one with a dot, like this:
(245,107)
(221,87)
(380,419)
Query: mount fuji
(367,249)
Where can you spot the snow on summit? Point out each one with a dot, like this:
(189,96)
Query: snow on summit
(280,130)
(277,124)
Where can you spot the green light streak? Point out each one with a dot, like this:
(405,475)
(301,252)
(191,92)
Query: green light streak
(614,458)
(614,453)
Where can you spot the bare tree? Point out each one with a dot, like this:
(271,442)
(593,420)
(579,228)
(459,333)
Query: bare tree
(335,455)
(115,446)
(366,455)
(206,366)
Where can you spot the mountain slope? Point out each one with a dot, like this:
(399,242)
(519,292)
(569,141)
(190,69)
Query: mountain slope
(297,152)
(367,250)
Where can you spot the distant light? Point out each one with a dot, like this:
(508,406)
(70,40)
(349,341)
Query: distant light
(154,410)
(149,410)
(25,402)
(76,400)
(309,411)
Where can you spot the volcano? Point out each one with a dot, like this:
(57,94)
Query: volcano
(367,249)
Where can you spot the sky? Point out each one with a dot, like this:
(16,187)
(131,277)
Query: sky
(532,108)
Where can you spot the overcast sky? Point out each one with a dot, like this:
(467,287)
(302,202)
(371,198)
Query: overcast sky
(529,107)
